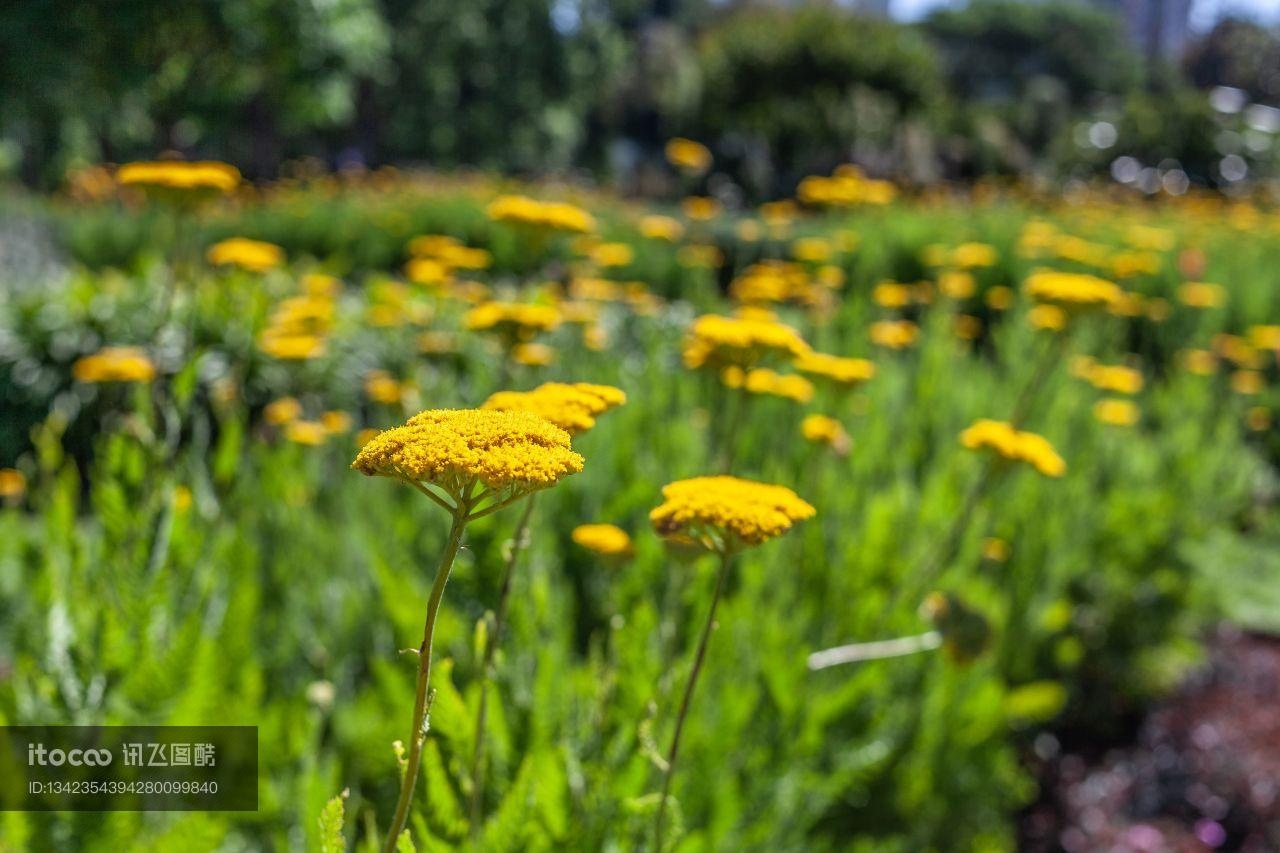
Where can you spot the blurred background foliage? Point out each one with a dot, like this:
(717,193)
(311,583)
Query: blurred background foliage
(1053,90)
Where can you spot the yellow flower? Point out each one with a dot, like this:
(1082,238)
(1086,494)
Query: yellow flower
(382,387)
(114,364)
(311,433)
(543,215)
(956,285)
(821,429)
(1047,317)
(688,156)
(605,539)
(661,228)
(336,421)
(533,355)
(612,255)
(1072,291)
(1247,382)
(291,347)
(1003,439)
(1116,412)
(572,407)
(282,411)
(1258,418)
(788,386)
(972,255)
(715,340)
(700,208)
(13,483)
(1198,294)
(834,368)
(178,175)
(511,316)
(426,271)
(891,294)
(894,334)
(251,255)
(725,513)
(509,453)
(813,250)
(1264,337)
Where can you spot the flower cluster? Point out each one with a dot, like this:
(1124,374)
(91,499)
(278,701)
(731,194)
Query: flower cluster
(297,327)
(1014,444)
(572,407)
(723,513)
(507,452)
(519,319)
(763,381)
(1072,291)
(688,156)
(179,175)
(544,215)
(822,429)
(847,187)
(251,255)
(608,540)
(835,369)
(115,364)
(715,340)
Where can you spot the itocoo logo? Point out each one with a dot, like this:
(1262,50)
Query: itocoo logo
(38,754)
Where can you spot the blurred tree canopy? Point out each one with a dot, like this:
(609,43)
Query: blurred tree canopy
(776,89)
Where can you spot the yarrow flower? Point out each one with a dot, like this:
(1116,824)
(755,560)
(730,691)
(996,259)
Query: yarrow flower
(821,429)
(544,215)
(894,334)
(767,382)
(1116,412)
(114,364)
(688,156)
(724,513)
(715,341)
(520,318)
(572,407)
(1072,291)
(1013,444)
(251,255)
(835,369)
(209,177)
(605,539)
(509,453)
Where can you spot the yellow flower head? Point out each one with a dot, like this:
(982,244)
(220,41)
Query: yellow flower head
(769,383)
(821,429)
(688,156)
(605,539)
(1004,440)
(1117,378)
(956,285)
(543,215)
(612,255)
(972,255)
(1198,294)
(251,255)
(288,347)
(656,227)
(894,334)
(1047,317)
(533,355)
(312,433)
(724,513)
(282,411)
(715,341)
(114,364)
(13,483)
(510,453)
(700,208)
(1201,362)
(572,407)
(1116,412)
(1072,291)
(180,176)
(835,369)
(382,387)
(519,317)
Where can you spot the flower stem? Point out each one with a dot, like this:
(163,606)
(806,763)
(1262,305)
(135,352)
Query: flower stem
(486,670)
(684,703)
(419,731)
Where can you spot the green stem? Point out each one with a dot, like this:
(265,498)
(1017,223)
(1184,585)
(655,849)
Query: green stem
(419,731)
(487,669)
(684,703)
